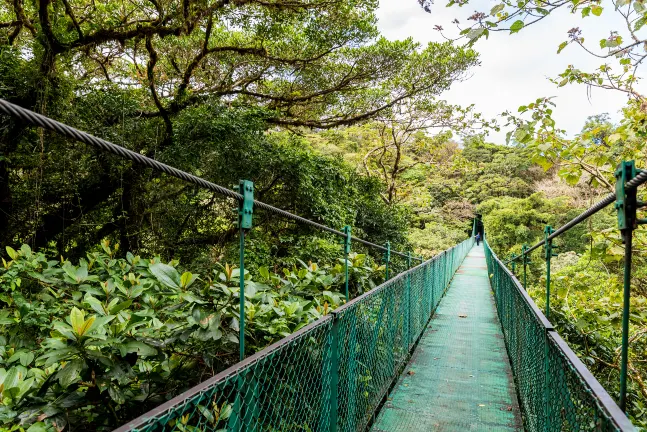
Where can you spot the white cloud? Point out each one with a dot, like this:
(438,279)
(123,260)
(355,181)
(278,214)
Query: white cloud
(514,68)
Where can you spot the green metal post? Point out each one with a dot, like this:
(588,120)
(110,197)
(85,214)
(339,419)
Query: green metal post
(548,246)
(625,319)
(626,205)
(547,404)
(346,252)
(333,389)
(524,257)
(409,335)
(387,259)
(245,212)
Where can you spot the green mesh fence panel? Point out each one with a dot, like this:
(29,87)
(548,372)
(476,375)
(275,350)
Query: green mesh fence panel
(332,375)
(556,391)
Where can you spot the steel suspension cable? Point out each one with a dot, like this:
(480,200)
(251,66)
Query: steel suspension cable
(44,122)
(640,179)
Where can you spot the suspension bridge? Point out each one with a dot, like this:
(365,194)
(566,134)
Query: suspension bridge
(453,343)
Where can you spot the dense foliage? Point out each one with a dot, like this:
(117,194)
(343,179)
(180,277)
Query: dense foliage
(90,345)
(330,121)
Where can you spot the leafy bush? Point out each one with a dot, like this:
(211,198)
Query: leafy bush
(91,345)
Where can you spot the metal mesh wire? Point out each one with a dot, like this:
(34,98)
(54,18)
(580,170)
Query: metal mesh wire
(330,376)
(556,391)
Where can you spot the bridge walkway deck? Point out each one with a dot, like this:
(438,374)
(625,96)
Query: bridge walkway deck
(459,377)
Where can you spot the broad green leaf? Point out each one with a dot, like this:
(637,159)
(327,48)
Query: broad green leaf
(26,358)
(166,274)
(77,320)
(187,279)
(41,427)
(474,34)
(87,325)
(121,306)
(596,10)
(516,26)
(11,379)
(11,252)
(496,9)
(99,322)
(70,373)
(140,348)
(264,272)
(116,394)
(561,47)
(95,304)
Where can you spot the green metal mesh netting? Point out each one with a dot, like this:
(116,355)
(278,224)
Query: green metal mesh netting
(330,376)
(556,391)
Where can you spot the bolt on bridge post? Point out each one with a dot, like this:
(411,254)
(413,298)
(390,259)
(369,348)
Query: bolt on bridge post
(548,246)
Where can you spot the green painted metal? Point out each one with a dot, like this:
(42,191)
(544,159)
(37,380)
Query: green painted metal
(459,376)
(626,206)
(332,375)
(526,260)
(246,206)
(387,260)
(333,387)
(556,391)
(245,213)
(346,231)
(548,254)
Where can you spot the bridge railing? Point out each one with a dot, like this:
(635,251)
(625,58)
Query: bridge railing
(556,391)
(332,375)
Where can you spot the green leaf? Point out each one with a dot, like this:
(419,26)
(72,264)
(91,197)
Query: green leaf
(474,34)
(586,11)
(561,47)
(596,10)
(95,304)
(26,358)
(70,373)
(496,9)
(121,306)
(516,26)
(77,320)
(11,252)
(11,379)
(264,272)
(166,274)
(140,348)
(116,394)
(187,279)
(99,322)
(40,427)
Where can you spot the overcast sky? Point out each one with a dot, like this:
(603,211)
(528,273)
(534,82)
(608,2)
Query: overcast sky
(514,68)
